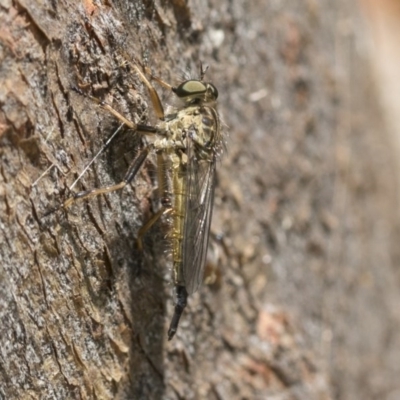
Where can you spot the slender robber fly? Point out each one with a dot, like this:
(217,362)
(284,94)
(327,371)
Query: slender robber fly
(187,142)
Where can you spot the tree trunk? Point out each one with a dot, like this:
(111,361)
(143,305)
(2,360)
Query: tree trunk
(301,288)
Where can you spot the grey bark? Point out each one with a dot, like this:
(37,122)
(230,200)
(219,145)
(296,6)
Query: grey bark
(303,288)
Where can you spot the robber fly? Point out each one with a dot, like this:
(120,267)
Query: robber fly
(187,142)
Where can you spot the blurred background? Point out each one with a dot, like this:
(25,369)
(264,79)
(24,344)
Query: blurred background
(382,26)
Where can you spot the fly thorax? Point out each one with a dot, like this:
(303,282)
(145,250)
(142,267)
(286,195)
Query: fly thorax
(209,123)
(177,128)
(206,136)
(162,144)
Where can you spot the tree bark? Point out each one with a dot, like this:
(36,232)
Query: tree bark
(302,289)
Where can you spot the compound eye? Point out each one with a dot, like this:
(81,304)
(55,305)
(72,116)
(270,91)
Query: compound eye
(213,90)
(190,89)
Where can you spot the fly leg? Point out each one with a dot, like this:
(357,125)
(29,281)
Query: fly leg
(143,230)
(107,107)
(133,169)
(155,99)
(136,163)
(164,192)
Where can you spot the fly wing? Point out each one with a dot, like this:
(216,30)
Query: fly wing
(199,205)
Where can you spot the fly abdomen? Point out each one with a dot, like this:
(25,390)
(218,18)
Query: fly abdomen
(178,216)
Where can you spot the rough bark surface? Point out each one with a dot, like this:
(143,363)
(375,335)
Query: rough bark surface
(303,286)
